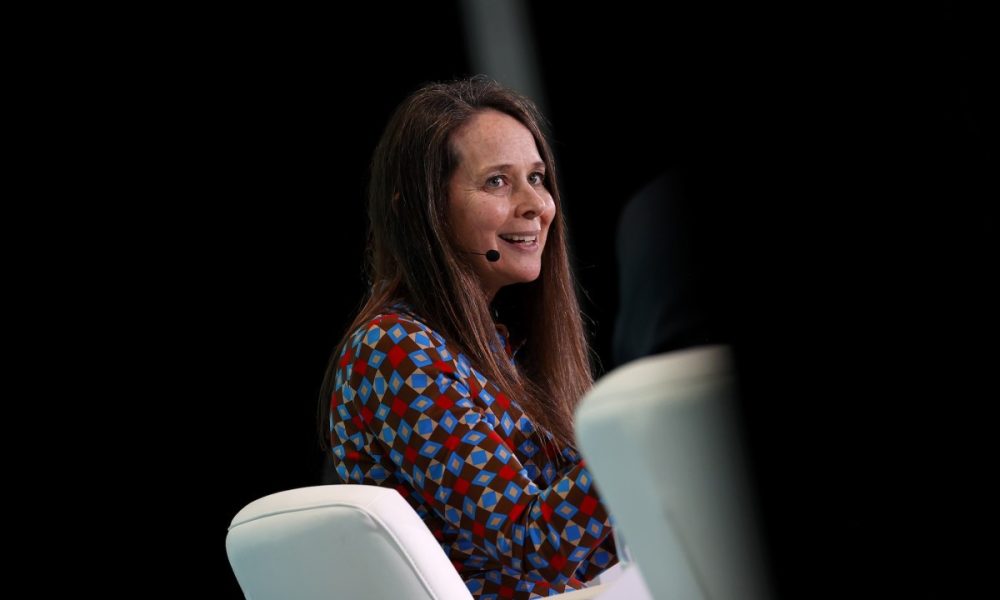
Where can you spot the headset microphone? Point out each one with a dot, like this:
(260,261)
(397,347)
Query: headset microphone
(491,255)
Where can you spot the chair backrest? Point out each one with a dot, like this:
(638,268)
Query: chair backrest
(355,542)
(661,441)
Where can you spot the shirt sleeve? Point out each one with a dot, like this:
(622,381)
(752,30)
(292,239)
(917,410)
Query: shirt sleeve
(602,558)
(413,396)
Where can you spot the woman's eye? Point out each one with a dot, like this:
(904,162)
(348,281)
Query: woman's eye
(495,181)
(537,178)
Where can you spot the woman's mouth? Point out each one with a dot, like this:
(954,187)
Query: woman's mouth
(525,242)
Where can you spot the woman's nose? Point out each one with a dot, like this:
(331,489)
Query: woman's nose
(530,202)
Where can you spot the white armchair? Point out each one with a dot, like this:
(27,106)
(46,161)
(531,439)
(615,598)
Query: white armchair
(661,441)
(338,541)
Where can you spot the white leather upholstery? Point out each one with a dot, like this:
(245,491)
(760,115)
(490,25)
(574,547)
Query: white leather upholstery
(338,541)
(659,436)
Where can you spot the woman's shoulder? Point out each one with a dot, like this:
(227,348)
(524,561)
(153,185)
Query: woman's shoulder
(398,320)
(398,333)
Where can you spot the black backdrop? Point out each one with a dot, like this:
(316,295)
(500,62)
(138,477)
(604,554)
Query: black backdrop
(861,218)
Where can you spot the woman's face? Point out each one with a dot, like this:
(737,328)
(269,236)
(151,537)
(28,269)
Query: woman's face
(497,200)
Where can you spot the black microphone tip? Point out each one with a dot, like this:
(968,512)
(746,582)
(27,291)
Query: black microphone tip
(492,255)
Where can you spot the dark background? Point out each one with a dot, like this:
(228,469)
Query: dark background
(856,152)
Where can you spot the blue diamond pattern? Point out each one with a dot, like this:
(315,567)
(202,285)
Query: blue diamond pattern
(507,423)
(365,389)
(486,397)
(375,358)
(594,527)
(579,554)
(495,521)
(513,492)
(448,422)
(396,333)
(404,431)
(418,381)
(378,474)
(455,464)
(526,426)
(573,533)
(483,478)
(463,366)
(554,538)
(473,438)
(429,449)
(602,557)
(535,533)
(421,403)
(479,457)
(469,508)
(548,473)
(488,500)
(519,534)
(388,435)
(419,358)
(537,561)
(528,448)
(566,510)
(395,383)
(425,425)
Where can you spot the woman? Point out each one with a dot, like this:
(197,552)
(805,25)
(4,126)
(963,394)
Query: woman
(424,393)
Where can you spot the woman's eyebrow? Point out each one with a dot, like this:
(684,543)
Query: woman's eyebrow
(507,167)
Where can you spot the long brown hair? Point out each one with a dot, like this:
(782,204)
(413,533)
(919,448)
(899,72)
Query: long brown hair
(411,256)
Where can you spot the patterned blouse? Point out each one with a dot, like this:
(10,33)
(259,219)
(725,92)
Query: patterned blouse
(409,413)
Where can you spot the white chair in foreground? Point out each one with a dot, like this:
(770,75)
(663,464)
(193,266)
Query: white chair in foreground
(351,542)
(338,541)
(661,441)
